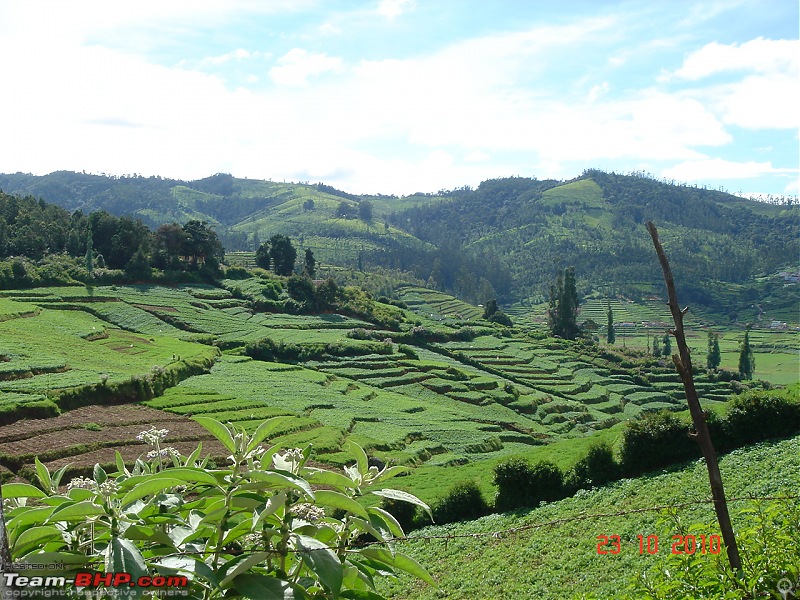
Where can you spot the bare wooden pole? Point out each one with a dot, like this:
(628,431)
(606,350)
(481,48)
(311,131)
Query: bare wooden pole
(683,363)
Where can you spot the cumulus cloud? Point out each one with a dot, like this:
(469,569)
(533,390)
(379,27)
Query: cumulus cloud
(298,65)
(718,168)
(758,55)
(392,9)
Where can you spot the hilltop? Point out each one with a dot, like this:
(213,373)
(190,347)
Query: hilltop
(506,239)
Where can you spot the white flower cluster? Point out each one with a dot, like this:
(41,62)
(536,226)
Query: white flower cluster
(81,483)
(108,488)
(152,436)
(308,512)
(164,452)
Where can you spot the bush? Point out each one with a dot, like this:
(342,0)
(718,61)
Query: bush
(596,468)
(757,415)
(656,440)
(521,484)
(464,502)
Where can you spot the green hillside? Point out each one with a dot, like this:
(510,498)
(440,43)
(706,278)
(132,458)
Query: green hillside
(506,239)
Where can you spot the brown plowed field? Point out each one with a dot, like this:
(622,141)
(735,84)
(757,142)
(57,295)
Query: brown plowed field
(66,440)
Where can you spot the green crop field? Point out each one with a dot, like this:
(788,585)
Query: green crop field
(551,551)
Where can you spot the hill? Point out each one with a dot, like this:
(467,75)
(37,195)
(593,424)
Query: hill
(506,239)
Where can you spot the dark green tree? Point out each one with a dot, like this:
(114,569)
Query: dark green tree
(656,347)
(489,308)
(89,253)
(168,244)
(562,315)
(611,335)
(201,245)
(747,360)
(283,254)
(713,356)
(138,267)
(667,345)
(310,264)
(365,210)
(263,258)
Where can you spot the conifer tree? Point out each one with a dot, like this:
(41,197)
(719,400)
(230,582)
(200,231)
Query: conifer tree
(89,254)
(656,347)
(562,313)
(667,345)
(713,356)
(747,361)
(611,335)
(310,263)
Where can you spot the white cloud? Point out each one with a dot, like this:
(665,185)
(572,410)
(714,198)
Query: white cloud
(718,168)
(392,9)
(235,55)
(298,65)
(758,55)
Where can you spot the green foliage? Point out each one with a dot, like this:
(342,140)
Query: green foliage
(767,537)
(562,314)
(255,529)
(464,502)
(522,484)
(713,355)
(596,468)
(611,335)
(759,415)
(656,440)
(269,349)
(283,254)
(747,360)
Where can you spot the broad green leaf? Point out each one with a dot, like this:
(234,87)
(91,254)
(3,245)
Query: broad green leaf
(185,565)
(390,472)
(277,480)
(68,559)
(266,429)
(149,487)
(119,462)
(272,505)
(361,457)
(99,474)
(31,516)
(78,511)
(194,455)
(262,587)
(405,497)
(399,561)
(218,430)
(21,490)
(243,566)
(323,561)
(337,500)
(32,538)
(121,556)
(43,475)
(329,478)
(189,475)
(387,519)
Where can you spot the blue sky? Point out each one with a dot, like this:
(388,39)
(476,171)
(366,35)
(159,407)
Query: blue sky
(398,96)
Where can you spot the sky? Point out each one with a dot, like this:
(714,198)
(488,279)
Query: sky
(404,96)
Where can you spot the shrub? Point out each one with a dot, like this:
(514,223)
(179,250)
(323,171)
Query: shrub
(408,351)
(290,544)
(655,440)
(759,415)
(464,502)
(596,468)
(521,484)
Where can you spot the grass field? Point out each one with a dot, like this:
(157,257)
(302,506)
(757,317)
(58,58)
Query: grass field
(452,408)
(553,552)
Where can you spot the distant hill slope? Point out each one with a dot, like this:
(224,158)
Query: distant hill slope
(506,239)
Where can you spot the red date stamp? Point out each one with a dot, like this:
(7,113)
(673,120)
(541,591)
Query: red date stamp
(681,544)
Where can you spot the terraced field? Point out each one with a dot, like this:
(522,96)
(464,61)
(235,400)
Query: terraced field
(421,402)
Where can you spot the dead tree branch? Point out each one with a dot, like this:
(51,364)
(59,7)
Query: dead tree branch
(683,363)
